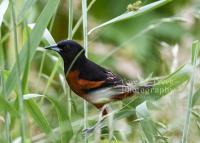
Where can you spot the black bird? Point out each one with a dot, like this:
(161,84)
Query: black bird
(90,81)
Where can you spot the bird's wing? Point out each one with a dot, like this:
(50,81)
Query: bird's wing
(94,77)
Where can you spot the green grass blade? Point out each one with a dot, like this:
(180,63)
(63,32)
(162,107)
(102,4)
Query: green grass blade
(70,25)
(64,122)
(195,52)
(151,27)
(55,69)
(28,62)
(132,14)
(2,56)
(50,79)
(31,96)
(146,122)
(38,117)
(52,22)
(5,105)
(85,26)
(3,7)
(77,25)
(170,83)
(7,114)
(18,73)
(70,19)
(25,9)
(196,97)
(46,36)
(35,37)
(85,40)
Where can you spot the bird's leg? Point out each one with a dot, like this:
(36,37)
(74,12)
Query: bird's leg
(100,120)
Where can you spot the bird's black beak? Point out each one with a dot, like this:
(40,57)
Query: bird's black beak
(54,48)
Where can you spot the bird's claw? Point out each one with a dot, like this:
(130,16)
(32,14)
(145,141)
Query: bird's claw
(89,130)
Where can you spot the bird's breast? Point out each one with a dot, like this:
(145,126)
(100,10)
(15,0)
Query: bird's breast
(72,79)
(82,86)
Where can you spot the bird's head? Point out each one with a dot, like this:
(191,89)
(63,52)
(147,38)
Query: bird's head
(70,51)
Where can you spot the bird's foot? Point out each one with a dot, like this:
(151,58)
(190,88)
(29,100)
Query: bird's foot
(89,130)
(99,122)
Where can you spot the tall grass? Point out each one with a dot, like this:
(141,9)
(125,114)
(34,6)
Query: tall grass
(195,52)
(21,61)
(3,6)
(70,25)
(7,114)
(85,40)
(132,14)
(78,23)
(31,95)
(18,75)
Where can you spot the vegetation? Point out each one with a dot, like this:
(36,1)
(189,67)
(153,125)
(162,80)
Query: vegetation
(142,40)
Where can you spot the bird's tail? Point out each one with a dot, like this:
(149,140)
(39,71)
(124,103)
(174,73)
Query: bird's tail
(142,87)
(122,91)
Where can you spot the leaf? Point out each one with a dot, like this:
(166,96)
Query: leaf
(27,6)
(50,79)
(196,97)
(81,18)
(195,51)
(132,14)
(35,37)
(161,89)
(64,123)
(39,118)
(170,83)
(3,7)
(47,35)
(5,105)
(31,96)
(146,122)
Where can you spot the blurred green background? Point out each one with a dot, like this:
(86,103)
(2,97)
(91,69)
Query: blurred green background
(153,44)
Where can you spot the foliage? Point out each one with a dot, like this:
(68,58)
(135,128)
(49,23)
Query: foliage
(153,40)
